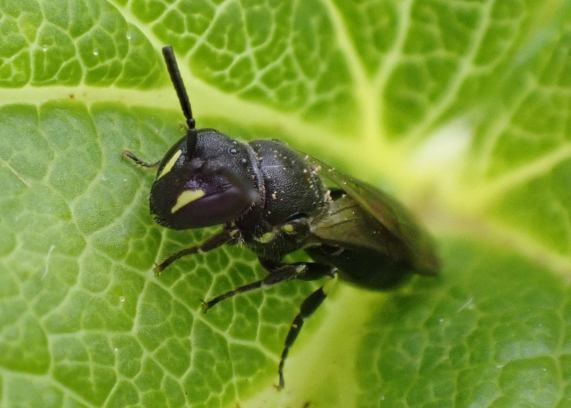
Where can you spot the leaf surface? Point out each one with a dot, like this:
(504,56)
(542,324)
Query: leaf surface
(460,109)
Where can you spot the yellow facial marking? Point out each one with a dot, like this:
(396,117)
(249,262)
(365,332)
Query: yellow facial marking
(288,228)
(170,164)
(186,197)
(267,237)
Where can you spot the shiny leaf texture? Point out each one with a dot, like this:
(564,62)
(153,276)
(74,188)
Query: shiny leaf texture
(460,109)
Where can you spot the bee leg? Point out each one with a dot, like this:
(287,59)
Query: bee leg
(279,273)
(127,154)
(223,237)
(308,307)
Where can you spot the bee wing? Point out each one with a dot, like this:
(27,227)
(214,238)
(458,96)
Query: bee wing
(346,224)
(397,222)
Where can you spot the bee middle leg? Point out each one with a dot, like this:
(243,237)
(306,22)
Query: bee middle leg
(277,273)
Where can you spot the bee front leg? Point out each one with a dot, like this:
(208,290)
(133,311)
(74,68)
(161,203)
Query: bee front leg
(223,237)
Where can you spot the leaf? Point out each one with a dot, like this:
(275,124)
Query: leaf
(460,109)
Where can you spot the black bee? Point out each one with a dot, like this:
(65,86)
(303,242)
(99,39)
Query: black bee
(276,201)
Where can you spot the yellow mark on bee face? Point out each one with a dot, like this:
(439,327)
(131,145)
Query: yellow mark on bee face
(186,197)
(170,164)
(288,228)
(267,237)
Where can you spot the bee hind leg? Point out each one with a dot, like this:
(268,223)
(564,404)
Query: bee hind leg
(308,307)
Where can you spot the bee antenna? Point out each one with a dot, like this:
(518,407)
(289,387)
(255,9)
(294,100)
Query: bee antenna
(176,79)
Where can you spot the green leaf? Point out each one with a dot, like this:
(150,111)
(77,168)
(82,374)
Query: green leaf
(460,109)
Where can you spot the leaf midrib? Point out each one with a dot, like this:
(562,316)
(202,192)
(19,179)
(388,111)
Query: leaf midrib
(449,208)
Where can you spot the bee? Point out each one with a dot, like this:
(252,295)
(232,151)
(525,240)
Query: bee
(276,200)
